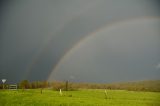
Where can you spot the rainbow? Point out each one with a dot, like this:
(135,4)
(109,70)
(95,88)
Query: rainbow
(44,47)
(94,33)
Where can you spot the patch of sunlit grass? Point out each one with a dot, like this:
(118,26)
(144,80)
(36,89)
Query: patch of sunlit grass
(83,97)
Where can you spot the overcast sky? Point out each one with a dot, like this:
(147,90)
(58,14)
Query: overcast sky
(80,40)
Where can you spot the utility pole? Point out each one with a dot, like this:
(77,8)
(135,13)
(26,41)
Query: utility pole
(67,85)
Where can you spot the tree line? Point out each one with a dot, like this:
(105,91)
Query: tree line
(66,85)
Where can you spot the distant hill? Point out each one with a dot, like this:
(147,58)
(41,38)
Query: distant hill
(150,85)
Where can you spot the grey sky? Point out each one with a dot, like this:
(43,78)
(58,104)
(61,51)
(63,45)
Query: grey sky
(118,52)
(36,34)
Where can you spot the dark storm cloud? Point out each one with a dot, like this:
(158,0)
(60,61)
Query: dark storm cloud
(34,35)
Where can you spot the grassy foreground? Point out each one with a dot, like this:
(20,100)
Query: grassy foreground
(84,97)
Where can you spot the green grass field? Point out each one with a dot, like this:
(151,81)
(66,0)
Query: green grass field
(81,97)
